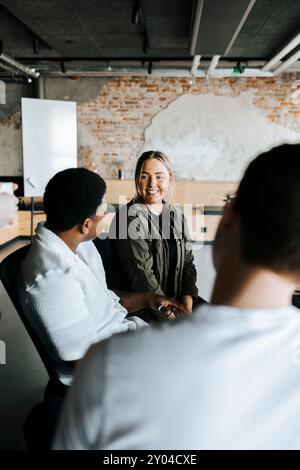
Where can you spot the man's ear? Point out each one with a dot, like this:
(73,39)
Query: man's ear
(84,227)
(229,223)
(227,235)
(230,216)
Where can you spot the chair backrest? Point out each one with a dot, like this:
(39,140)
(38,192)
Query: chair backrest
(9,269)
(296,300)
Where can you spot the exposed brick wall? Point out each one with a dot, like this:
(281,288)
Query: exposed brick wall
(118,117)
(116,120)
(113,113)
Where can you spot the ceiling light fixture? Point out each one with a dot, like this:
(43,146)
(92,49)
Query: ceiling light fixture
(288,48)
(213,65)
(195,65)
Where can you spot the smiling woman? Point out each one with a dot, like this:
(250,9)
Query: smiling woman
(150,242)
(154,180)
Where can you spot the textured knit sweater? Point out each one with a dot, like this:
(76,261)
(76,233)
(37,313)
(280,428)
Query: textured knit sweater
(66,299)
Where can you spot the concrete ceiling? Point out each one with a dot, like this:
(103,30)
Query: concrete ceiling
(60,35)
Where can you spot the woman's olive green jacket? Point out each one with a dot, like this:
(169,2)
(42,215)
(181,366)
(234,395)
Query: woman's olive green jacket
(140,253)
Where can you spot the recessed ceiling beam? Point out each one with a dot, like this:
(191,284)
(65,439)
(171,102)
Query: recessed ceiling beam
(241,24)
(198,5)
(221,22)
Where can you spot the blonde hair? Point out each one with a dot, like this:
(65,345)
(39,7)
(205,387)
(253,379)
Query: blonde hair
(152,155)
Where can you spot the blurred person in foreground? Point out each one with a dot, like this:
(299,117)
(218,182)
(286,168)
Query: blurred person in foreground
(228,376)
(8,206)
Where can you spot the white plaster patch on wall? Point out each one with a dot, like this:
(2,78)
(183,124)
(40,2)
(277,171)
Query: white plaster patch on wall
(85,136)
(11,146)
(87,147)
(210,137)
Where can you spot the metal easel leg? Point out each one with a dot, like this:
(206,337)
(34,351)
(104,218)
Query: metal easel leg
(32,212)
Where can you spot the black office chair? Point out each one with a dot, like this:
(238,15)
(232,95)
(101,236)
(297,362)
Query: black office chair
(103,245)
(296,299)
(47,412)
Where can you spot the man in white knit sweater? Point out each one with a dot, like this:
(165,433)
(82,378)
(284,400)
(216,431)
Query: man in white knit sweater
(63,287)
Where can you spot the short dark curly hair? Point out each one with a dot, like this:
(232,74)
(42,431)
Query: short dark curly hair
(71,196)
(268,203)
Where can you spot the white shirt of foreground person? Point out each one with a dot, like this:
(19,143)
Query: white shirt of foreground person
(67,301)
(8,208)
(226,378)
